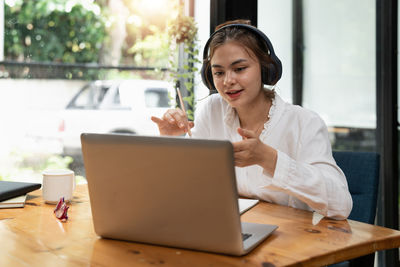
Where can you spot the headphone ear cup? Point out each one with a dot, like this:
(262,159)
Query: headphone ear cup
(211,80)
(268,74)
(204,75)
(264,75)
(207,78)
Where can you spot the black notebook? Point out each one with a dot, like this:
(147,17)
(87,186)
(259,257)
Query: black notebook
(10,189)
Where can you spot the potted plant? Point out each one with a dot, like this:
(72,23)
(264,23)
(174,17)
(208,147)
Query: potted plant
(184,50)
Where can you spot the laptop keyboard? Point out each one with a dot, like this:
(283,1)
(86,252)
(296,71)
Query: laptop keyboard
(245,236)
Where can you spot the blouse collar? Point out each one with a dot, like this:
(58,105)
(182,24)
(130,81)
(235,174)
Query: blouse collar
(231,119)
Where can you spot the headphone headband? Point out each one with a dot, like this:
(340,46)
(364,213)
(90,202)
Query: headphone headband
(237,25)
(270,75)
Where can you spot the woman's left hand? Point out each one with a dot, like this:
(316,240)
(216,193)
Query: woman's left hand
(252,151)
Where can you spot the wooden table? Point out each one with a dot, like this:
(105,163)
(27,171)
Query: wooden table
(32,236)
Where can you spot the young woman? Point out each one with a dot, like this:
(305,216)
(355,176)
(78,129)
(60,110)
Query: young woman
(282,152)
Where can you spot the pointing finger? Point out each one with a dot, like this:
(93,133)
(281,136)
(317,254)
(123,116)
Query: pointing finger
(156,119)
(246,133)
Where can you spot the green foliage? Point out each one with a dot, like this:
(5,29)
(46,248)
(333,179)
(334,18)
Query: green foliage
(57,162)
(27,165)
(153,50)
(183,31)
(66,31)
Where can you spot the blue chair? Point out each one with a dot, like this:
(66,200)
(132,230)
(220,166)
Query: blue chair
(362,173)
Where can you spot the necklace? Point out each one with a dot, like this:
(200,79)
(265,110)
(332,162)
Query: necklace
(267,118)
(259,128)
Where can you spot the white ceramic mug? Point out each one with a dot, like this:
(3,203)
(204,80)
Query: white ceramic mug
(58,184)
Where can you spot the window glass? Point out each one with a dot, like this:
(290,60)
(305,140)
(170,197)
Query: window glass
(340,69)
(116,99)
(155,98)
(90,97)
(63,64)
(275,20)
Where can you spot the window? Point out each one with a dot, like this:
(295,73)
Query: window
(155,97)
(89,97)
(64,62)
(339,59)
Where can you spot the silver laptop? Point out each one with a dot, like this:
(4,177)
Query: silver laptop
(167,191)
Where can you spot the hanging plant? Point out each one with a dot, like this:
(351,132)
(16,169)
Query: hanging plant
(182,31)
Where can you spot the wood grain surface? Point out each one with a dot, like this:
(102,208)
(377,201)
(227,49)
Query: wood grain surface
(32,236)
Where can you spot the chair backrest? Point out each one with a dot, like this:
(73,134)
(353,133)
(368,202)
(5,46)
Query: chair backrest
(362,173)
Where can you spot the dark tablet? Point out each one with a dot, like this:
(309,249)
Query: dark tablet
(9,189)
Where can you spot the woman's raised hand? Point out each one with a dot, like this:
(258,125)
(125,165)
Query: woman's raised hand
(251,151)
(174,122)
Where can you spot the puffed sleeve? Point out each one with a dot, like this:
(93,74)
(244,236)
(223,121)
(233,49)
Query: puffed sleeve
(313,176)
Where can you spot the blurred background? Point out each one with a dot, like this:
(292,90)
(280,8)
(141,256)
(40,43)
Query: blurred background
(69,67)
(64,62)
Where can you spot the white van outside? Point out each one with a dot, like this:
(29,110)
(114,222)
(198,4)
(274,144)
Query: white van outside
(114,107)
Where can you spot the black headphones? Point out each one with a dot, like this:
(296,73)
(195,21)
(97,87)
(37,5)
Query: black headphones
(270,74)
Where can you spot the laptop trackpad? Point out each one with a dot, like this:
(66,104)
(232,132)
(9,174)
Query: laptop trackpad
(254,233)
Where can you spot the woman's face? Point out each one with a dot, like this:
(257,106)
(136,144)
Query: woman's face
(237,75)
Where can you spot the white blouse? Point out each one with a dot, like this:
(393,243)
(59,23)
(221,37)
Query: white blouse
(306,175)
